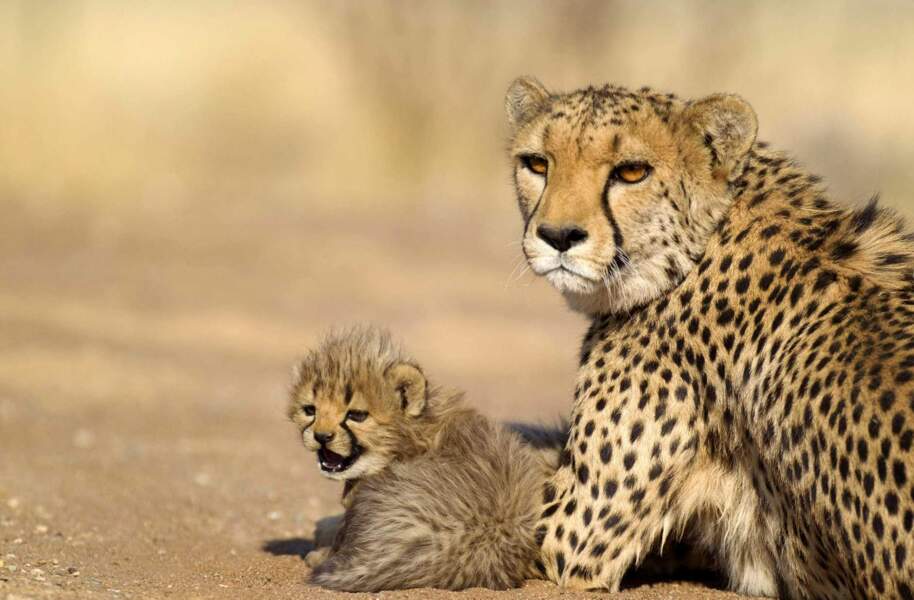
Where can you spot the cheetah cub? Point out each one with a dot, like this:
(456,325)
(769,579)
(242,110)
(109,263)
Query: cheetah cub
(435,494)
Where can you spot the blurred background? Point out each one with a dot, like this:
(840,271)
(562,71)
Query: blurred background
(190,192)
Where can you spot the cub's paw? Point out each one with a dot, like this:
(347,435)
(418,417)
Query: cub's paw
(317,557)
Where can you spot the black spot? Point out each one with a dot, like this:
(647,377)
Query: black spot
(611,521)
(637,430)
(606,453)
(549,492)
(887,400)
(629,461)
(583,474)
(655,472)
(865,217)
(540,535)
(560,563)
(796,294)
(891,503)
(823,280)
(844,250)
(878,583)
(878,527)
(891,259)
(770,231)
(899,472)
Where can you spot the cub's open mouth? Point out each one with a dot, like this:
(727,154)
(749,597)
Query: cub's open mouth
(332,462)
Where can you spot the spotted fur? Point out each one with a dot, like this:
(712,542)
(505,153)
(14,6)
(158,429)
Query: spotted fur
(748,375)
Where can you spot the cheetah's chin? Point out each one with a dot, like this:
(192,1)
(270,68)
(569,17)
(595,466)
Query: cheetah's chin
(567,281)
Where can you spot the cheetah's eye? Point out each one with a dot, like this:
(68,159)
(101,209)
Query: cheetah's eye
(535,164)
(632,172)
(356,415)
(308,410)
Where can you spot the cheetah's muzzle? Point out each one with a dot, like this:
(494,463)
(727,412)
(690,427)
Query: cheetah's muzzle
(332,462)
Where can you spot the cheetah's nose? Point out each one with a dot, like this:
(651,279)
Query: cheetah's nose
(561,238)
(323,438)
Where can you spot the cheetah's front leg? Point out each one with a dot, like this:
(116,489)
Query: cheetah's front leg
(612,499)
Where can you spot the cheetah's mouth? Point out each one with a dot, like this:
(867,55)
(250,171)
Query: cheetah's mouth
(331,462)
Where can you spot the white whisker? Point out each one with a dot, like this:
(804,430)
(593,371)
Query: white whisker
(517,264)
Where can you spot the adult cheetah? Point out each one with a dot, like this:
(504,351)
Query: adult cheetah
(747,375)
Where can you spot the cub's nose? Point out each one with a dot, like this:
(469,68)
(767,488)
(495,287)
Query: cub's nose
(323,438)
(561,238)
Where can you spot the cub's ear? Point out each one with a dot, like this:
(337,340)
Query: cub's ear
(410,384)
(728,126)
(526,97)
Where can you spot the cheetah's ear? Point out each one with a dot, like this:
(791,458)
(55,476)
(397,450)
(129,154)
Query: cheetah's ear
(410,384)
(728,126)
(526,97)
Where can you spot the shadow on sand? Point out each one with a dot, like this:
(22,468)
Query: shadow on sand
(297,546)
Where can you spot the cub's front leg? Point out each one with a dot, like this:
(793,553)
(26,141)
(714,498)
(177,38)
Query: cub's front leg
(325,533)
(629,451)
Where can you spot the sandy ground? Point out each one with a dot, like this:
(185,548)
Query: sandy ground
(143,364)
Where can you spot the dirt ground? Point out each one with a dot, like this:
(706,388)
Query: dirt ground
(143,364)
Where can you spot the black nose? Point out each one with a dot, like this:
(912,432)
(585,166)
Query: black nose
(323,438)
(561,238)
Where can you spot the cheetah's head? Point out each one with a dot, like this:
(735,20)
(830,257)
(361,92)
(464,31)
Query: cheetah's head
(620,190)
(356,400)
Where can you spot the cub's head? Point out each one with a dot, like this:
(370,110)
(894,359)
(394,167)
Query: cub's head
(620,190)
(355,400)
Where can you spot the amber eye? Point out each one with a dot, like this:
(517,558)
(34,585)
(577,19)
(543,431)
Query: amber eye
(308,410)
(535,164)
(356,415)
(632,172)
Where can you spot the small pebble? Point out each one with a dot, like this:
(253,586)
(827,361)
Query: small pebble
(73,571)
(13,503)
(17,541)
(41,529)
(202,479)
(275,515)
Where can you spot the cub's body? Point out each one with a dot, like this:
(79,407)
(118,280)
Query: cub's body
(436,495)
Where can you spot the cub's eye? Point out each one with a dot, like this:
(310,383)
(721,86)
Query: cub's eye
(356,415)
(632,172)
(535,164)
(308,410)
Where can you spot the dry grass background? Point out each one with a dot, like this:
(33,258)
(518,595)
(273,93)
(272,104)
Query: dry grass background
(191,191)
